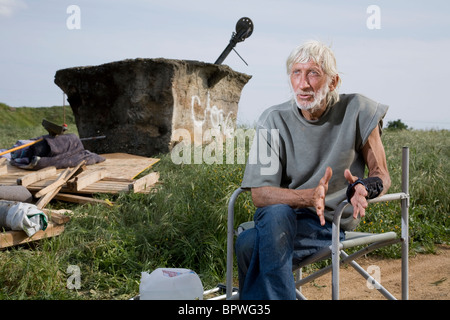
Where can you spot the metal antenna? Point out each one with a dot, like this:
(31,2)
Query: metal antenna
(240,56)
(244,28)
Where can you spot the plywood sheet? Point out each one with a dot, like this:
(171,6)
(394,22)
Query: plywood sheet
(125,166)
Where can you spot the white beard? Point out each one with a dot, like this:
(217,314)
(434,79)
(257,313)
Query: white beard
(318,99)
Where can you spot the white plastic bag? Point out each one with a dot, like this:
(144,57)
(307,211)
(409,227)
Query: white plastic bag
(170,284)
(22,216)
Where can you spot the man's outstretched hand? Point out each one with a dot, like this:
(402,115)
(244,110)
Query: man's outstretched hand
(319,194)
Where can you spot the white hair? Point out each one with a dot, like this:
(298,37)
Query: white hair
(323,56)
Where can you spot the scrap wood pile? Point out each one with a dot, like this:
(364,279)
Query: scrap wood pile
(117,172)
(78,184)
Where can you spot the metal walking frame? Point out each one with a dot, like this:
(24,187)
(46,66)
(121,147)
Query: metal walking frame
(336,250)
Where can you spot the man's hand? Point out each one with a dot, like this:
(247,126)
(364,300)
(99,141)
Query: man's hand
(358,199)
(319,194)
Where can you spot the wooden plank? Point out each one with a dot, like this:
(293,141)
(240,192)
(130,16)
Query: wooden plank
(42,174)
(80,199)
(114,179)
(96,187)
(54,185)
(61,180)
(13,238)
(42,202)
(127,166)
(57,216)
(3,167)
(146,182)
(86,178)
(64,176)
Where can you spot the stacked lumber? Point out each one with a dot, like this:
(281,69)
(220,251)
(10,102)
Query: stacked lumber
(116,174)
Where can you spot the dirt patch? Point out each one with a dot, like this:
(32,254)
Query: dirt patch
(429,279)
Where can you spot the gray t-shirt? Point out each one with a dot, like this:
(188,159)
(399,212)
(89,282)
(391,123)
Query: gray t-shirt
(289,151)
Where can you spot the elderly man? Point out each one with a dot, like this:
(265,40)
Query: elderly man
(321,143)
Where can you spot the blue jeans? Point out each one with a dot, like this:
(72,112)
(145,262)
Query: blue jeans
(265,254)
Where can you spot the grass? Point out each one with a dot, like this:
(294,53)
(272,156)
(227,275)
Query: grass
(183,224)
(25,122)
(429,186)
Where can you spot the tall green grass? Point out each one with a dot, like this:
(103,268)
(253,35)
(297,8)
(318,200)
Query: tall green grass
(429,186)
(25,122)
(183,224)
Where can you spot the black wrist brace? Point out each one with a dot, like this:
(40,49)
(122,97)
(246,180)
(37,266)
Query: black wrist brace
(373,185)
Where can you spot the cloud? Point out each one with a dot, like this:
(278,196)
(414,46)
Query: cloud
(9,7)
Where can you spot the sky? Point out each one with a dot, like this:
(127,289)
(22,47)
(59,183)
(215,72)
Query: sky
(393,51)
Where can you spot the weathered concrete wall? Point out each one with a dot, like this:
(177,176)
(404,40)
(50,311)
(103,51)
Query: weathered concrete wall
(138,104)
